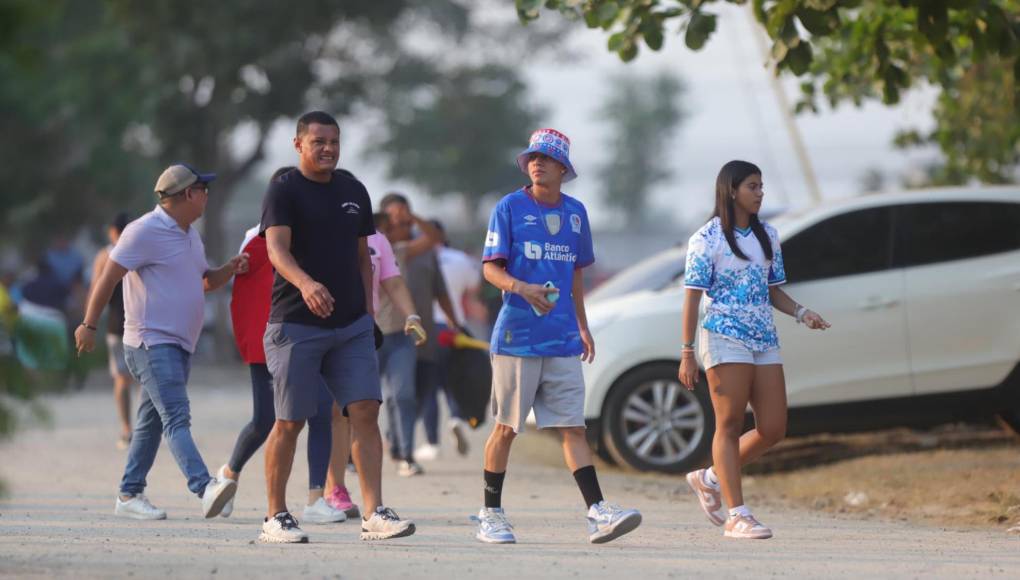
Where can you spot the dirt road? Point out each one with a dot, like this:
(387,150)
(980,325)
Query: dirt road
(57,520)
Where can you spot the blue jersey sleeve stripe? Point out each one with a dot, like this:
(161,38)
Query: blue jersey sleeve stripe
(697,286)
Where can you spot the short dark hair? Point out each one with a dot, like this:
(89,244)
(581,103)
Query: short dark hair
(439,226)
(392,198)
(120,221)
(281,172)
(314,117)
(380,218)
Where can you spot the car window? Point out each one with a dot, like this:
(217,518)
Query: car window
(941,232)
(653,273)
(856,242)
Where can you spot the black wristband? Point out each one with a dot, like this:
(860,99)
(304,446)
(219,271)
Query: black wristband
(89,326)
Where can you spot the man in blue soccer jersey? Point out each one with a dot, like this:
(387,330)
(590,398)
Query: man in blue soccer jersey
(538,241)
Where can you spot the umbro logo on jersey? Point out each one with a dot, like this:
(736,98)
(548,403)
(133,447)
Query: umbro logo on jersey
(351,207)
(530,220)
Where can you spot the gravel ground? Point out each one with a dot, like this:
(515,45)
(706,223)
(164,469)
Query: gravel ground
(57,519)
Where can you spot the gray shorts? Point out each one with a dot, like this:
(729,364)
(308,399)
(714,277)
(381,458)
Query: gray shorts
(115,356)
(716,349)
(552,386)
(303,359)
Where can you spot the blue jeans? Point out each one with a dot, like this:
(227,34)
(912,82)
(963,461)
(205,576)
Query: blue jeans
(163,371)
(255,433)
(397,359)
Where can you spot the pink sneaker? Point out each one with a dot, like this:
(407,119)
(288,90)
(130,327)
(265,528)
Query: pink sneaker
(709,496)
(746,527)
(340,499)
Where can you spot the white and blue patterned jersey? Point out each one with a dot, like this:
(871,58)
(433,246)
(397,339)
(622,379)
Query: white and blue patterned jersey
(738,290)
(540,244)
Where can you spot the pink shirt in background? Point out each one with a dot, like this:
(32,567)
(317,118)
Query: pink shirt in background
(384,264)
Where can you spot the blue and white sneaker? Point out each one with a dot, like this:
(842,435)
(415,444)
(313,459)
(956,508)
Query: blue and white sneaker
(607,521)
(493,527)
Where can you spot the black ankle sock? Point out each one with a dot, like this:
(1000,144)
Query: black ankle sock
(494,489)
(589,484)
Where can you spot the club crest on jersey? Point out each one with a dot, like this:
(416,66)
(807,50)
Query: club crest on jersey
(552,221)
(351,207)
(575,223)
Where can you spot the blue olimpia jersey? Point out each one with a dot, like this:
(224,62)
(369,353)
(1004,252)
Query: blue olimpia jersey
(540,244)
(737,290)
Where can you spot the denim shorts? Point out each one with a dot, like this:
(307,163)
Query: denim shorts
(304,359)
(116,361)
(716,349)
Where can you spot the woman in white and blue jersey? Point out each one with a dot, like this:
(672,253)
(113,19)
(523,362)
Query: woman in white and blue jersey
(735,259)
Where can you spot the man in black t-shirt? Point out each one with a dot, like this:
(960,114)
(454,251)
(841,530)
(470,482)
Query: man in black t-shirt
(320,333)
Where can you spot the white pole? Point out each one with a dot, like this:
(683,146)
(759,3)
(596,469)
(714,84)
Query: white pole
(785,110)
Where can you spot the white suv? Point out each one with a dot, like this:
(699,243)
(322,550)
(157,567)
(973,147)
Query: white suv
(923,292)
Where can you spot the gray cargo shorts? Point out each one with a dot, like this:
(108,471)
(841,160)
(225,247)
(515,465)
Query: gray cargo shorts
(552,386)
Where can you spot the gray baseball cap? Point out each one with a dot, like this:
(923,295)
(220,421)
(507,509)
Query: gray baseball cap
(179,177)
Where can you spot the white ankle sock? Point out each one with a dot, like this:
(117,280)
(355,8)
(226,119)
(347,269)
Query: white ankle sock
(711,478)
(741,510)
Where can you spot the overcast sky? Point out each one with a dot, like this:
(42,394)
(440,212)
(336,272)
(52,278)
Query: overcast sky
(733,114)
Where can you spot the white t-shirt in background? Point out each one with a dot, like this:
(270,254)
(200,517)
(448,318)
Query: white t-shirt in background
(461,273)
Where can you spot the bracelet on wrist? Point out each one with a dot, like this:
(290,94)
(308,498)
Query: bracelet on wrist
(89,326)
(798,313)
(688,345)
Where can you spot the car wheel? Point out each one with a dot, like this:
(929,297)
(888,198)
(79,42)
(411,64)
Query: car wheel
(602,453)
(653,423)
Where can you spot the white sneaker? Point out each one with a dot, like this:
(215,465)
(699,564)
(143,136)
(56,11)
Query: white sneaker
(493,527)
(460,434)
(427,452)
(607,521)
(217,493)
(282,529)
(384,525)
(321,512)
(409,469)
(229,507)
(138,508)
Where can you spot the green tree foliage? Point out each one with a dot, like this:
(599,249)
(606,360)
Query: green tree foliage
(459,137)
(107,92)
(456,111)
(643,113)
(977,128)
(854,50)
